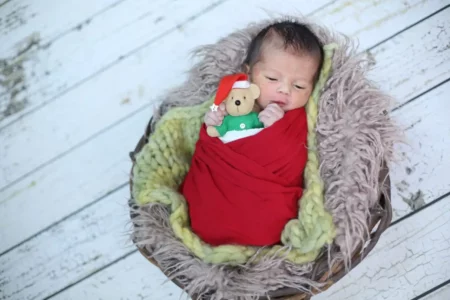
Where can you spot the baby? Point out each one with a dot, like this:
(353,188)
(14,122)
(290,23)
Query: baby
(246,191)
(284,60)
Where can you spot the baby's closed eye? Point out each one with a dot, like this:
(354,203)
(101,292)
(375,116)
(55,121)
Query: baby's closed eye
(299,87)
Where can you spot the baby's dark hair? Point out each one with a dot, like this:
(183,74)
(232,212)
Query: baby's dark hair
(295,36)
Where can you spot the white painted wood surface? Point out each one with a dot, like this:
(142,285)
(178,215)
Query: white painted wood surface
(26,27)
(412,257)
(58,65)
(440,294)
(66,133)
(69,251)
(70,167)
(131,278)
(422,174)
(422,53)
(81,252)
(18,19)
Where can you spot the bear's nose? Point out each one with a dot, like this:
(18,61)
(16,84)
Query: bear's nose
(237,102)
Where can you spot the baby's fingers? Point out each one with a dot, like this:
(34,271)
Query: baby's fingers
(210,120)
(264,113)
(218,118)
(213,119)
(276,111)
(222,109)
(264,119)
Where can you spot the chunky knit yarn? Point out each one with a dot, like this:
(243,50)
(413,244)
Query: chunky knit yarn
(164,161)
(314,226)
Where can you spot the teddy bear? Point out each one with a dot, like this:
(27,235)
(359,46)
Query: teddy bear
(239,96)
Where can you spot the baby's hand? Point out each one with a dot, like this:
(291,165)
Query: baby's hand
(272,113)
(215,118)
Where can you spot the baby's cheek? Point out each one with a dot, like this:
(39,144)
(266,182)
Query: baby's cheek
(300,100)
(265,96)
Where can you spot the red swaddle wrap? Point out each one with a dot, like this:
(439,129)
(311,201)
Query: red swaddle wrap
(245,191)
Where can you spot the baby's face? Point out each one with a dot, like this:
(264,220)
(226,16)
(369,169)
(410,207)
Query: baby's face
(284,78)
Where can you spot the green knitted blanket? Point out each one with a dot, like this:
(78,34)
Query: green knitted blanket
(163,162)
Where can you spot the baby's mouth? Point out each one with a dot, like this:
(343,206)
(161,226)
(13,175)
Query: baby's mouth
(280,103)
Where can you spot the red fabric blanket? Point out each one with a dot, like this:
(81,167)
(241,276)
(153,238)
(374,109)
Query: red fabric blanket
(245,191)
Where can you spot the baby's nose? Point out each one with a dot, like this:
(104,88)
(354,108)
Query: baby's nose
(283,88)
(237,102)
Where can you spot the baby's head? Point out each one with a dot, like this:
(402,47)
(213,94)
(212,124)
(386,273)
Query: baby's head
(284,60)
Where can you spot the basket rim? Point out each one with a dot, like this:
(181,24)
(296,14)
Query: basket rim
(381,217)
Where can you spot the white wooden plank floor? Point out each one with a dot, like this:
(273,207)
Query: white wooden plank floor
(77,86)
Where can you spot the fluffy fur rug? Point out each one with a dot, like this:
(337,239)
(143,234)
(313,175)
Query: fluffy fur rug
(355,136)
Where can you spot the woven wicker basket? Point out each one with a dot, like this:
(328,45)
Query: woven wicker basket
(379,221)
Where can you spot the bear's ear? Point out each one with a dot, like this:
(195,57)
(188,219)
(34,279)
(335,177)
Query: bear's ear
(255,90)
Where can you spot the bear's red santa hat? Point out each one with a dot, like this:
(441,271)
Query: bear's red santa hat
(227,83)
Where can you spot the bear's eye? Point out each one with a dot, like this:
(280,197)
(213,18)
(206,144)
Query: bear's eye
(232,97)
(245,98)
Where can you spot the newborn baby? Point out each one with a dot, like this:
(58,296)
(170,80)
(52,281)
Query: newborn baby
(284,61)
(244,192)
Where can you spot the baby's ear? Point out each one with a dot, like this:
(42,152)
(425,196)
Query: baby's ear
(255,90)
(245,68)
